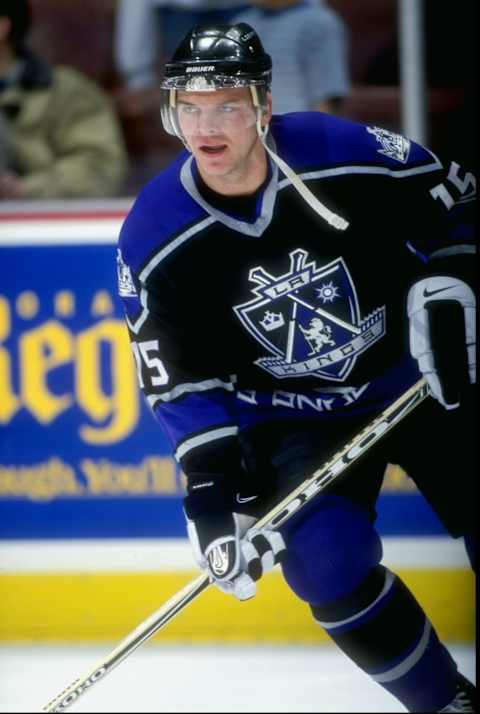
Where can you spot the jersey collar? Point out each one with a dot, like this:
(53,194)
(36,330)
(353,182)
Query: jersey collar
(254,229)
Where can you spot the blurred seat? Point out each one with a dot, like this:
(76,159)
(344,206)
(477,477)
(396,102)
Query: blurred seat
(372,26)
(76,33)
(80,34)
(378,104)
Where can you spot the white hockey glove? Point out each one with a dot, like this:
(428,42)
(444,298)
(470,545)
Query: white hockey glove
(234,554)
(441,313)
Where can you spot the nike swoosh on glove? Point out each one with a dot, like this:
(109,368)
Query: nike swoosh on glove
(441,312)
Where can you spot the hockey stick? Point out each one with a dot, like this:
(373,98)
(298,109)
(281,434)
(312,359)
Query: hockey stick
(278,515)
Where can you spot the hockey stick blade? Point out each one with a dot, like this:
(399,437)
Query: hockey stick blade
(276,517)
(140,634)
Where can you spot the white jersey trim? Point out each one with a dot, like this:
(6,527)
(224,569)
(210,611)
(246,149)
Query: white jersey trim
(409,662)
(191,388)
(394,173)
(205,438)
(253,230)
(135,326)
(453,250)
(389,580)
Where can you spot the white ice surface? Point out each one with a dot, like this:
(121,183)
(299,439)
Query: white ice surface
(159,678)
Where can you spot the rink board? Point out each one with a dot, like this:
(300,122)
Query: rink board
(83,460)
(101,593)
(95,607)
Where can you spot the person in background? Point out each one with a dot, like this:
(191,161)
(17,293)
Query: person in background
(308,43)
(59,134)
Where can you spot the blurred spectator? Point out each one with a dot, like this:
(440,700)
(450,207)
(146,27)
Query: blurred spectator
(59,135)
(309,44)
(148,31)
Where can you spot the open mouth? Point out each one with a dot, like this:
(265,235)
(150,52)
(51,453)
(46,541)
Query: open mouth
(213,150)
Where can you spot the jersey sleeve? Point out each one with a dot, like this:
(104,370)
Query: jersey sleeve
(430,199)
(436,199)
(446,203)
(192,400)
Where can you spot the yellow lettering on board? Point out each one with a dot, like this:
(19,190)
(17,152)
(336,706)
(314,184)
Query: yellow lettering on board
(153,475)
(64,303)
(9,403)
(39,482)
(163,474)
(27,305)
(102,304)
(42,350)
(121,407)
(396,479)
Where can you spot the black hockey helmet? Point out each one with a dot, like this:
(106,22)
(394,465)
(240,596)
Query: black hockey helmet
(229,55)
(214,57)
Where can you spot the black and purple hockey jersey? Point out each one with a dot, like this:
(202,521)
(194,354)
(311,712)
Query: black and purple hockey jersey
(240,317)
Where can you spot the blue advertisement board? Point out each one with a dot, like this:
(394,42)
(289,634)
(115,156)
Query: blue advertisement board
(81,455)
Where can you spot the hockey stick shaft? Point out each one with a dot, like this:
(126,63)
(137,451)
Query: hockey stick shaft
(138,636)
(333,468)
(276,517)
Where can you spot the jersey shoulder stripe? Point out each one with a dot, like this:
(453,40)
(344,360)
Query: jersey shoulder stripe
(162,212)
(312,141)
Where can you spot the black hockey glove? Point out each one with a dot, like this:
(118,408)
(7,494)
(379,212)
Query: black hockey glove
(234,554)
(441,313)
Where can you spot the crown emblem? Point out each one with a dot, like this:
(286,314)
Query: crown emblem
(272,321)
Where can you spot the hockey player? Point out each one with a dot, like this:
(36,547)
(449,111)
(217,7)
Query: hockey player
(284,280)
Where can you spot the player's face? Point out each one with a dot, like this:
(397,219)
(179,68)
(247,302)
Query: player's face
(220,129)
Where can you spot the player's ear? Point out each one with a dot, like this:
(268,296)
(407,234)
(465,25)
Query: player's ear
(267,115)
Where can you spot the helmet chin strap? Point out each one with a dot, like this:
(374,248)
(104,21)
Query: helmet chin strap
(332,218)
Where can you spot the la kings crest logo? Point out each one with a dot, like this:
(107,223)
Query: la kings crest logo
(309,319)
(395,146)
(126,286)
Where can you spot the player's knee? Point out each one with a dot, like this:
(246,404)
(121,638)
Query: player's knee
(375,587)
(330,551)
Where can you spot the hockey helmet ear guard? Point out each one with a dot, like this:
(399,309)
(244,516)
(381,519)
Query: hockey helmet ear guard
(216,57)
